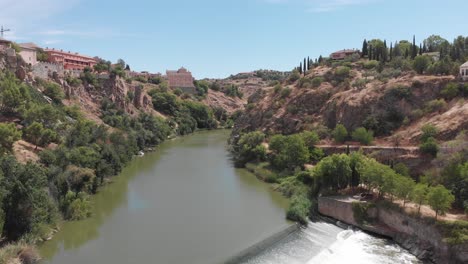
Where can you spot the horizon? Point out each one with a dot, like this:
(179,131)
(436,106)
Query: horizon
(216,39)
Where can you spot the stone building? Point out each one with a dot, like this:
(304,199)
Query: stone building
(342,54)
(69,60)
(464,71)
(181,79)
(29,53)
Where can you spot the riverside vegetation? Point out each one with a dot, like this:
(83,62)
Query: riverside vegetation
(278,135)
(76,156)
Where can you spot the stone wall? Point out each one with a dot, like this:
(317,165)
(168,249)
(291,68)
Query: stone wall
(422,239)
(45,70)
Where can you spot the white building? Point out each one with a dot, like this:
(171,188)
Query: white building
(464,71)
(29,53)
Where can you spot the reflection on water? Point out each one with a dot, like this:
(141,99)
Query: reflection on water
(323,243)
(184,203)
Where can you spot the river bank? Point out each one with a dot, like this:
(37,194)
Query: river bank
(422,238)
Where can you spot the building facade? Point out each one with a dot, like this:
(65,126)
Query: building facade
(464,71)
(181,79)
(29,53)
(342,54)
(69,60)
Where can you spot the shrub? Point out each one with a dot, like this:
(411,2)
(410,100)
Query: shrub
(340,133)
(429,147)
(285,92)
(371,64)
(341,73)
(435,105)
(295,75)
(363,136)
(299,208)
(317,81)
(428,131)
(54,91)
(360,212)
(292,109)
(359,83)
(450,91)
(421,63)
(277,88)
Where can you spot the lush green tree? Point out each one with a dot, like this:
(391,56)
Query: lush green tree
(76,206)
(288,152)
(440,199)
(365,51)
(434,43)
(33,133)
(401,169)
(450,91)
(340,133)
(8,135)
(430,147)
(363,136)
(333,172)
(421,64)
(249,148)
(80,179)
(404,188)
(13,95)
(419,194)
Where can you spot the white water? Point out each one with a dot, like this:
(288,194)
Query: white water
(324,243)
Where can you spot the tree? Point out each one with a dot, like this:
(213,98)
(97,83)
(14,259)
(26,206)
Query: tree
(54,91)
(249,148)
(419,194)
(421,63)
(288,152)
(430,147)
(363,136)
(340,133)
(121,63)
(33,133)
(414,48)
(333,172)
(434,43)
(8,135)
(365,51)
(428,131)
(13,95)
(404,187)
(440,199)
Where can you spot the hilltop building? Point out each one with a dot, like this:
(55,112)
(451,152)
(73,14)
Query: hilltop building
(464,71)
(69,60)
(4,44)
(343,54)
(29,53)
(181,79)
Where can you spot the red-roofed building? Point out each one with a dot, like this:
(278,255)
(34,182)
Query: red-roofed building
(182,79)
(342,54)
(70,61)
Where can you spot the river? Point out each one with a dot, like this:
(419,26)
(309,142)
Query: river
(186,203)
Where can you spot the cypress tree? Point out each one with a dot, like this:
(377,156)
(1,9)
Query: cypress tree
(365,51)
(420,49)
(424,47)
(305,66)
(391,51)
(320,59)
(385,51)
(414,51)
(406,53)
(370,52)
(300,68)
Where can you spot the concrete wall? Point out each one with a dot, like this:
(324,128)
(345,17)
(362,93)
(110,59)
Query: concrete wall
(421,238)
(262,245)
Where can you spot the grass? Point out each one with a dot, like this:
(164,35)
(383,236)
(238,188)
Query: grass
(18,253)
(262,171)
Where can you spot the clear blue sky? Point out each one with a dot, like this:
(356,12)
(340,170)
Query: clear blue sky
(216,38)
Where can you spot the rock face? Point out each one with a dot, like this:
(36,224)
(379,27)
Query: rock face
(422,239)
(399,104)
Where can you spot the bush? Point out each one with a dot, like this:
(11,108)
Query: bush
(435,105)
(285,92)
(429,147)
(295,75)
(363,136)
(340,134)
(299,208)
(428,131)
(342,73)
(317,81)
(371,64)
(421,63)
(450,91)
(54,91)
(359,83)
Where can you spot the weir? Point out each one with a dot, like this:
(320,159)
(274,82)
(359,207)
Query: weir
(262,245)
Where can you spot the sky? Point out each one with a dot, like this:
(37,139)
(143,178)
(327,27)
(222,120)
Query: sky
(217,38)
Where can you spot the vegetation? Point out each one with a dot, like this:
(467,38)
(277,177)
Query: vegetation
(340,133)
(364,136)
